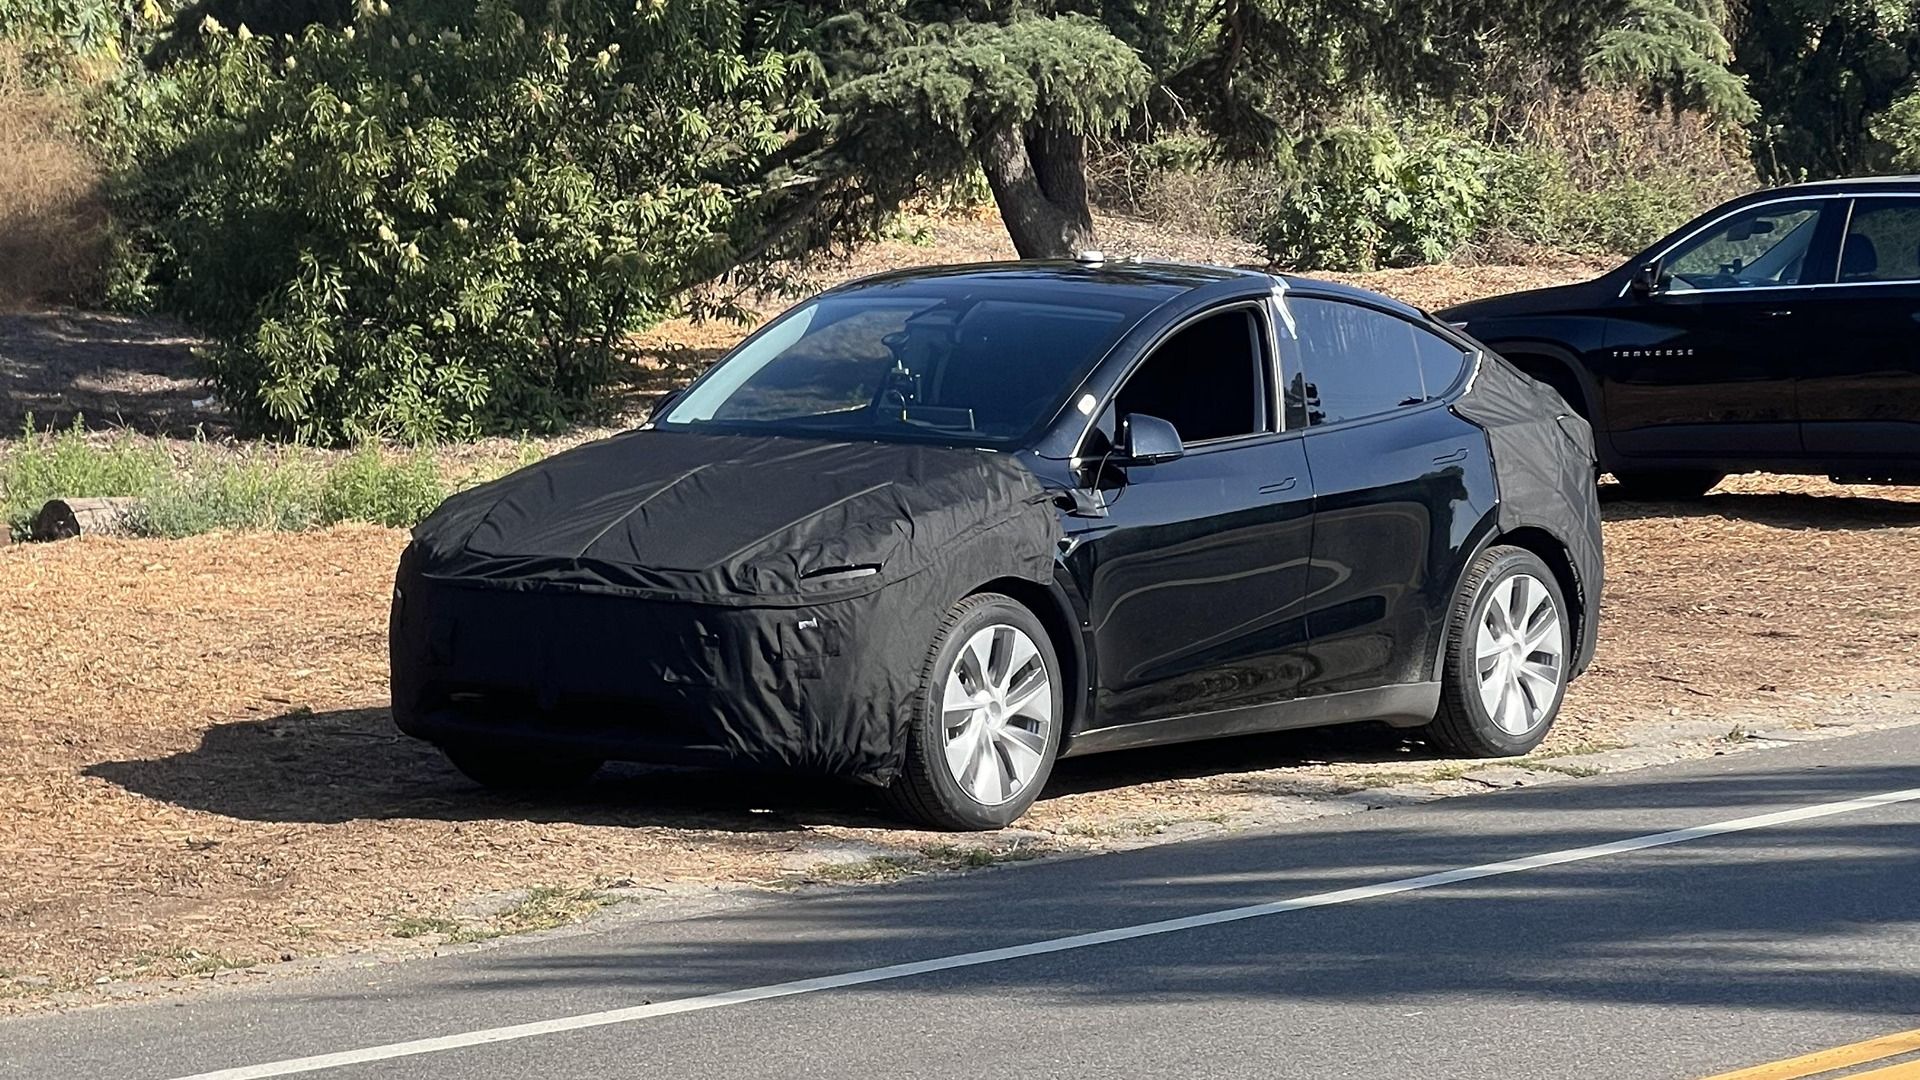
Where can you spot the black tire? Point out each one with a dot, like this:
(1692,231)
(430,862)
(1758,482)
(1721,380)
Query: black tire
(927,790)
(513,770)
(1670,484)
(1465,726)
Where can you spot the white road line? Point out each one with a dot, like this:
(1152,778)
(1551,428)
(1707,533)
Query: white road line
(411,1048)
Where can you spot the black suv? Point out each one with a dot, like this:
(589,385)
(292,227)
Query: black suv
(1779,332)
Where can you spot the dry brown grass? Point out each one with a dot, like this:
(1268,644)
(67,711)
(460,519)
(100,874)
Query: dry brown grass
(198,770)
(52,219)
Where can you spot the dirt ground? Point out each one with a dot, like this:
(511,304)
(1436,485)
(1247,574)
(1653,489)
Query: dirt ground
(198,771)
(198,774)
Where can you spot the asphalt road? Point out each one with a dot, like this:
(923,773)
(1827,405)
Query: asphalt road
(1569,932)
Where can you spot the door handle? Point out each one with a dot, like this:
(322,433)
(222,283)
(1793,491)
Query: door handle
(1274,489)
(1448,459)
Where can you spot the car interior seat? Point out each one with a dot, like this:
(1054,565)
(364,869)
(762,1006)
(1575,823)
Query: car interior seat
(1859,259)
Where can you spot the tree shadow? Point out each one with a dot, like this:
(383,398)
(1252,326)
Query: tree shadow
(1732,922)
(1787,510)
(114,371)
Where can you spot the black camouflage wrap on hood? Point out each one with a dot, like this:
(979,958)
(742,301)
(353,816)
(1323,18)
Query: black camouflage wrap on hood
(1543,463)
(711,599)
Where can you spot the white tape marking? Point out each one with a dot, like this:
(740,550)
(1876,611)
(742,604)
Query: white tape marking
(411,1048)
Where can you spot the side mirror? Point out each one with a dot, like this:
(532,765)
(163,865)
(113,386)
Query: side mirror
(1148,440)
(1648,279)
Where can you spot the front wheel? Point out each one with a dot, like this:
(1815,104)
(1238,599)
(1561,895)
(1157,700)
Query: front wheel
(1669,484)
(1508,658)
(987,719)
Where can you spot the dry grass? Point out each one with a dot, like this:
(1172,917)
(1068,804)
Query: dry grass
(196,760)
(52,220)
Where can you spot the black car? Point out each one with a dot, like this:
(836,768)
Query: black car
(935,529)
(1780,332)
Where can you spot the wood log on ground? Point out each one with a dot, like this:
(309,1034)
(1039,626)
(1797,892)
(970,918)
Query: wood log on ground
(63,518)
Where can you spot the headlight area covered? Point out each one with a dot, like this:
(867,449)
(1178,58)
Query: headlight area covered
(1543,463)
(705,599)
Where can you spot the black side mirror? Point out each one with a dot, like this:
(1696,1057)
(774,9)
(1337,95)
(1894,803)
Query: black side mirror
(1648,279)
(1148,440)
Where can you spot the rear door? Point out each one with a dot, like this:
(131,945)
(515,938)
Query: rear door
(1860,354)
(1706,366)
(1399,484)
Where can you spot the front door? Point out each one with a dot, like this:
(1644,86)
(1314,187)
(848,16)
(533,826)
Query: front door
(1860,357)
(1706,365)
(1195,577)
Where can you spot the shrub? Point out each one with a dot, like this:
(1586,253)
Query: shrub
(369,485)
(275,490)
(442,223)
(1376,194)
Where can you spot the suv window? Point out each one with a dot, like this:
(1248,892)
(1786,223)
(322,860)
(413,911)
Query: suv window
(1883,241)
(1209,381)
(1348,361)
(1764,246)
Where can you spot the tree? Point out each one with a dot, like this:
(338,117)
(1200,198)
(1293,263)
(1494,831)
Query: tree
(444,217)
(927,88)
(1827,75)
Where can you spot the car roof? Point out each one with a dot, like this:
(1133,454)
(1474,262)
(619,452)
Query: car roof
(1844,185)
(1153,282)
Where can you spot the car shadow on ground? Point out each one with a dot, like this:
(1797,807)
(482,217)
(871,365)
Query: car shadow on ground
(352,764)
(1784,509)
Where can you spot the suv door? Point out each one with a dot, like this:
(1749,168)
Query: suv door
(1399,481)
(1705,365)
(1860,353)
(1194,579)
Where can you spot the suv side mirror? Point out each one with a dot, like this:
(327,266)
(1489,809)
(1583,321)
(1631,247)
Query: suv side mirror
(1148,440)
(1648,279)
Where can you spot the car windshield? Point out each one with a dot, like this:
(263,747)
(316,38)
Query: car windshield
(976,366)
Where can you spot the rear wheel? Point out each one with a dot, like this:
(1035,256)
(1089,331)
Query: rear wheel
(1508,658)
(1668,484)
(987,719)
(505,770)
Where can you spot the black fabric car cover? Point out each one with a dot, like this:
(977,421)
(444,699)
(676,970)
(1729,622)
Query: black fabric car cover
(1543,462)
(736,599)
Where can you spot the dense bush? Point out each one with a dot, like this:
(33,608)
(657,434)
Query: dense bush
(1594,173)
(445,224)
(1378,194)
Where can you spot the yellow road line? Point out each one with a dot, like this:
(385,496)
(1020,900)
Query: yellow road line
(1841,1057)
(1909,1070)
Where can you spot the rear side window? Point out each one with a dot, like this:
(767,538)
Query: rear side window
(1883,241)
(1347,361)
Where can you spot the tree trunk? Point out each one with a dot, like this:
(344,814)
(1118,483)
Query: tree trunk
(63,518)
(1039,181)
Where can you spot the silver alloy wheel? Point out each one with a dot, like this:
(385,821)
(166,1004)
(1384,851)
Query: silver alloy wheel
(1520,653)
(997,714)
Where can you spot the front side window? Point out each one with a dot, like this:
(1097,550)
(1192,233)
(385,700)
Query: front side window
(1346,361)
(1208,380)
(1757,248)
(962,366)
(1883,242)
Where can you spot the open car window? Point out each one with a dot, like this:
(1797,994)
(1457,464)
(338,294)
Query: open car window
(1766,246)
(978,367)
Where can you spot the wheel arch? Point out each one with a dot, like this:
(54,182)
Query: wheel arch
(1551,551)
(1051,606)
